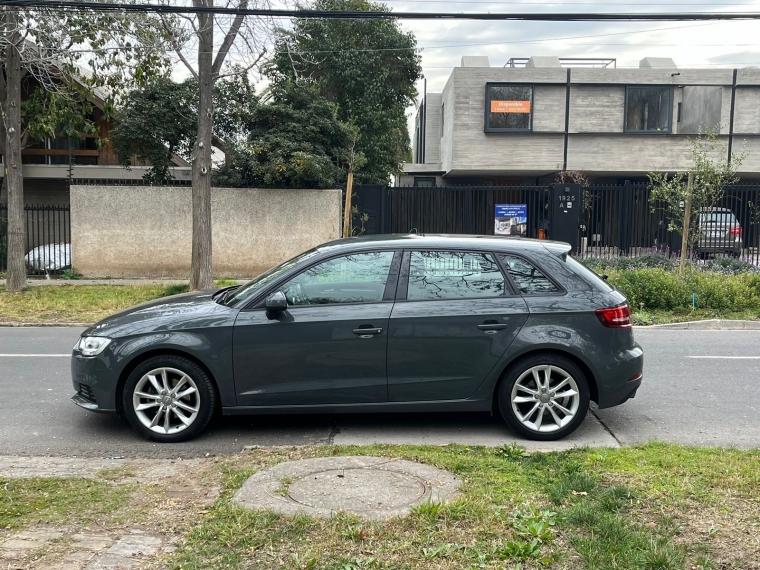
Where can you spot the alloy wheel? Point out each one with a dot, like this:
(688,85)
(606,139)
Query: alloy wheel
(166,400)
(545,398)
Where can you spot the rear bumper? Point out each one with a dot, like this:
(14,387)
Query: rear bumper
(719,246)
(622,382)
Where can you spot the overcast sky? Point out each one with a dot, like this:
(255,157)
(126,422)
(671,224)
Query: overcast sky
(690,44)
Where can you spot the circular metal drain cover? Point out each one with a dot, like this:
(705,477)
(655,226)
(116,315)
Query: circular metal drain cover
(371,487)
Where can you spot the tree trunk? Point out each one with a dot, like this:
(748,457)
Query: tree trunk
(16,279)
(201,276)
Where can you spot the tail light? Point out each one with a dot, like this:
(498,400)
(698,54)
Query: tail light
(736,231)
(615,318)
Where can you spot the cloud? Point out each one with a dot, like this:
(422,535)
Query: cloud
(690,44)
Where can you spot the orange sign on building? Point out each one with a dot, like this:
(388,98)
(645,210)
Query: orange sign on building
(510,106)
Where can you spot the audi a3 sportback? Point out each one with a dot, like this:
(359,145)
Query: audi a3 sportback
(377,324)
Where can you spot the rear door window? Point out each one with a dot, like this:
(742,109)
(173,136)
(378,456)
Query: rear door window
(527,277)
(453,275)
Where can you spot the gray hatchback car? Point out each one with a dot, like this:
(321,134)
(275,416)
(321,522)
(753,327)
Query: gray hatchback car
(378,324)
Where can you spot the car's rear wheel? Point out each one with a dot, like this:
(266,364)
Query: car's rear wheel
(544,397)
(169,399)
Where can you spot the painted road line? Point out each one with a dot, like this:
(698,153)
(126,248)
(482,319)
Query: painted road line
(727,357)
(38,355)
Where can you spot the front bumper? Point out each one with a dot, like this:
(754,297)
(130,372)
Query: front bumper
(83,402)
(94,383)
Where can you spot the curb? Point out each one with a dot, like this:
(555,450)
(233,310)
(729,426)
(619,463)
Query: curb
(708,325)
(45,325)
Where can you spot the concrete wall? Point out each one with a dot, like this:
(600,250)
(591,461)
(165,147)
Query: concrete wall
(433,128)
(145,231)
(596,109)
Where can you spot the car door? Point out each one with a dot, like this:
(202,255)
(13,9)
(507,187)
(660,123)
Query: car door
(454,317)
(329,346)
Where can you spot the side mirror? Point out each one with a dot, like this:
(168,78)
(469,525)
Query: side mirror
(276,302)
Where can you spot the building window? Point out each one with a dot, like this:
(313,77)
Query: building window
(424,182)
(648,109)
(509,108)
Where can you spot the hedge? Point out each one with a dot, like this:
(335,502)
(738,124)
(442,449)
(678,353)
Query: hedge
(665,290)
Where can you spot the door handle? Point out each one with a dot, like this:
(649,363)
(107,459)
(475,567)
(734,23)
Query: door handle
(367,332)
(492,326)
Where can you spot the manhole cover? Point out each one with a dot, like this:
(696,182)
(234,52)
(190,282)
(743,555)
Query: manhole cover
(348,487)
(372,487)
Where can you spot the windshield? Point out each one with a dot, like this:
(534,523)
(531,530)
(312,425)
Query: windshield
(248,290)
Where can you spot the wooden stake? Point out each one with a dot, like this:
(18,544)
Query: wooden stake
(347,209)
(686,223)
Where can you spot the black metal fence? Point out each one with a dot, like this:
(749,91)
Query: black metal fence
(615,219)
(48,238)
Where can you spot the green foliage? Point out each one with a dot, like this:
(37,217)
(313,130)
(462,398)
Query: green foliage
(730,266)
(428,510)
(294,141)
(175,290)
(48,114)
(71,273)
(160,120)
(711,176)
(155,123)
(511,451)
(648,260)
(367,67)
(654,289)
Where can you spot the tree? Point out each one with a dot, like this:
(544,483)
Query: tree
(42,49)
(682,202)
(155,123)
(368,67)
(193,41)
(295,140)
(160,120)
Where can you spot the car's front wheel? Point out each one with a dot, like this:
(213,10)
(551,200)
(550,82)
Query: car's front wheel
(544,397)
(169,399)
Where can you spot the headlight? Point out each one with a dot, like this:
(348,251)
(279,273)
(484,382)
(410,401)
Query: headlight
(92,345)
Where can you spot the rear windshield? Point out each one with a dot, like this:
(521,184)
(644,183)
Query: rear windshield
(718,218)
(587,275)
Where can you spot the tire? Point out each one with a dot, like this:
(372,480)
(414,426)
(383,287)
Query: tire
(522,415)
(181,376)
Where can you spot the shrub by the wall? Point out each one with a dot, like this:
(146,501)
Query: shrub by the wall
(665,290)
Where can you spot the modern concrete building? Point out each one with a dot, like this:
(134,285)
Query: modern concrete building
(525,122)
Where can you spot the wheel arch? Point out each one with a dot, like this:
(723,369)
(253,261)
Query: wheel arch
(138,359)
(574,358)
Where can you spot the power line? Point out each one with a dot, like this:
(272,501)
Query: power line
(358,15)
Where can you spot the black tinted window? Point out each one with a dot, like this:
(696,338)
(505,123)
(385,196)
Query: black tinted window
(355,278)
(529,280)
(453,275)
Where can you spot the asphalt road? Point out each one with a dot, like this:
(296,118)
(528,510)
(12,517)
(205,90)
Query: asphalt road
(700,387)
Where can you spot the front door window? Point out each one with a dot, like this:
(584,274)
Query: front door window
(353,278)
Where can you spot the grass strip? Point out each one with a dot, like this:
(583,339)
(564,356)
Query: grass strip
(653,507)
